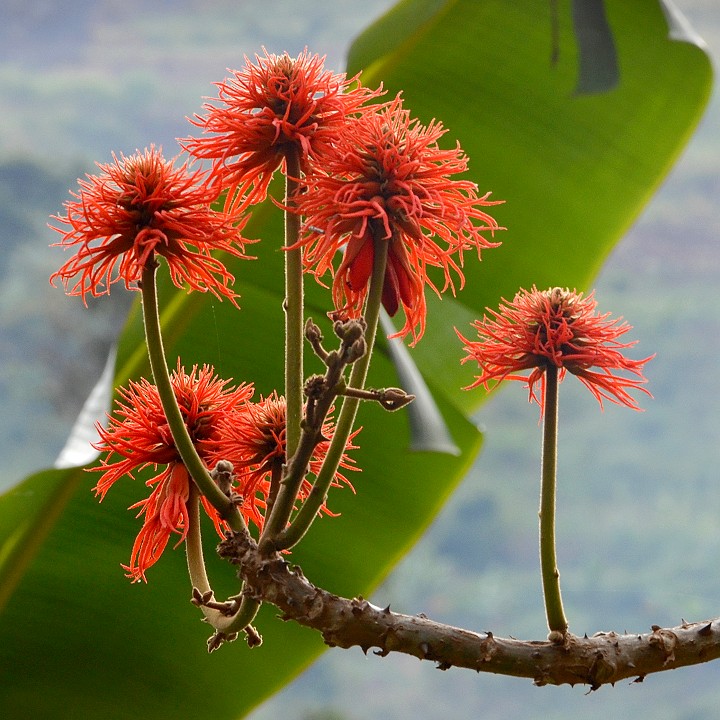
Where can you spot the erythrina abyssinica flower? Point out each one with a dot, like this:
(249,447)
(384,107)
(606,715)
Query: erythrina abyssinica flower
(271,106)
(139,434)
(139,207)
(387,180)
(253,439)
(559,327)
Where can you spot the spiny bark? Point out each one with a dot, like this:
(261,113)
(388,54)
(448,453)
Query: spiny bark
(598,660)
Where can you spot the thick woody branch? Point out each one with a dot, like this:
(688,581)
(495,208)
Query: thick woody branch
(598,660)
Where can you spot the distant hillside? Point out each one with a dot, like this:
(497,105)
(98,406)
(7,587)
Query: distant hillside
(29,194)
(51,348)
(80,79)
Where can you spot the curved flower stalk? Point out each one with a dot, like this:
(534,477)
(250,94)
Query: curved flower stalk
(386,180)
(139,434)
(550,333)
(139,207)
(269,109)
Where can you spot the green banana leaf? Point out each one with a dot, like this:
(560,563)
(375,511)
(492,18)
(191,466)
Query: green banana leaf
(573,114)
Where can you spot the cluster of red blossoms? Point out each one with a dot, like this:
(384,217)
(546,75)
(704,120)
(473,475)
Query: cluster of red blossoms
(268,109)
(139,207)
(371,175)
(140,436)
(224,424)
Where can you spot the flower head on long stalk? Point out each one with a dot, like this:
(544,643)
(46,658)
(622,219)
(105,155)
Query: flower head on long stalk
(556,327)
(387,181)
(276,103)
(139,207)
(139,434)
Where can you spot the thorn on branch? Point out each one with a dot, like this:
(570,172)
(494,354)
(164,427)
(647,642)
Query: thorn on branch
(705,630)
(358,605)
(666,641)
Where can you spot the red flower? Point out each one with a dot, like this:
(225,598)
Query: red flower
(268,107)
(387,180)
(555,327)
(141,437)
(253,439)
(139,207)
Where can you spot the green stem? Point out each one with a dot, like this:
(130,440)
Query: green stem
(193,545)
(241,619)
(293,309)
(308,512)
(203,483)
(247,608)
(276,474)
(282,505)
(181,438)
(555,614)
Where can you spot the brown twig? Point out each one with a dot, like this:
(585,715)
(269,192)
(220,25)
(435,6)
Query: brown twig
(389,398)
(321,391)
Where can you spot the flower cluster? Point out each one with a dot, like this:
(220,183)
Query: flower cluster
(139,207)
(367,174)
(139,434)
(224,424)
(268,109)
(379,202)
(253,439)
(372,175)
(560,328)
(386,180)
